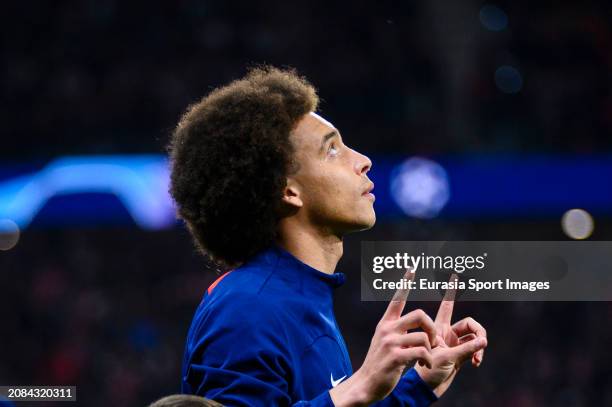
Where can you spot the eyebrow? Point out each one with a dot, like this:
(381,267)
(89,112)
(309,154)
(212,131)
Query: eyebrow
(331,134)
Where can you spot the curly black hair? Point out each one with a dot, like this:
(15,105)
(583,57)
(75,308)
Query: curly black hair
(230,156)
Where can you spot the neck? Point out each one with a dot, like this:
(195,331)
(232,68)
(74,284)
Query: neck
(317,248)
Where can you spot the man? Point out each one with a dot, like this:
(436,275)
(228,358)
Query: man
(268,187)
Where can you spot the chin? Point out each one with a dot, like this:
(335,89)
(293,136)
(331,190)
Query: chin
(363,219)
(370,224)
(366,223)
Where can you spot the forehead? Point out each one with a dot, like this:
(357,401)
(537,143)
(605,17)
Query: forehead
(310,131)
(320,120)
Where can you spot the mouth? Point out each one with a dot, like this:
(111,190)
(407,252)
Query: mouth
(368,191)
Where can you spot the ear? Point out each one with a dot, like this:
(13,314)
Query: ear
(291,194)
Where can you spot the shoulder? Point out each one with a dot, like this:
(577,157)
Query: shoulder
(243,280)
(233,323)
(239,298)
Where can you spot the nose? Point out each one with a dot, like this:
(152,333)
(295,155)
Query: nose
(362,164)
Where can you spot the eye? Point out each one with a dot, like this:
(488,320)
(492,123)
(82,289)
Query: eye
(332,150)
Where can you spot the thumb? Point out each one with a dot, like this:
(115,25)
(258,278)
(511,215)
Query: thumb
(464,351)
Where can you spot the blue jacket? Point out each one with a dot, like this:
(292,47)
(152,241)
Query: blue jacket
(265,335)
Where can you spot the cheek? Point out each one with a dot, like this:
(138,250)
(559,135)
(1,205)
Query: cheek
(324,190)
(330,186)
(339,195)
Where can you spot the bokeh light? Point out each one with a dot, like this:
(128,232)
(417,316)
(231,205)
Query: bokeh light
(577,224)
(493,18)
(9,234)
(420,187)
(508,79)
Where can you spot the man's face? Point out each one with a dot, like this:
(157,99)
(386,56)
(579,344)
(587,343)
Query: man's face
(331,182)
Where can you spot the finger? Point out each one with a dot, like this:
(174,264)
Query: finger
(397,303)
(475,360)
(414,339)
(476,357)
(418,354)
(464,351)
(470,325)
(419,319)
(445,312)
(466,338)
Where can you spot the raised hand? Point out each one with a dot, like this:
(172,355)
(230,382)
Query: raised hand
(456,343)
(391,350)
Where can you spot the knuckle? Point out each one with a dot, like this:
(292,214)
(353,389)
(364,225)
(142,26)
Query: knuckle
(418,313)
(381,325)
(476,325)
(387,341)
(383,328)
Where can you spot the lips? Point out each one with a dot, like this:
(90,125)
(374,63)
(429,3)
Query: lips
(368,189)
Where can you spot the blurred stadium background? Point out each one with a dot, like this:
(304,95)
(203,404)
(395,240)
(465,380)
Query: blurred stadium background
(485,121)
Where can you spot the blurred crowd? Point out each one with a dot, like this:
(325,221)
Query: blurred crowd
(104,310)
(107,76)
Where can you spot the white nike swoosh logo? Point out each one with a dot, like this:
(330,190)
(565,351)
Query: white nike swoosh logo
(334,383)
